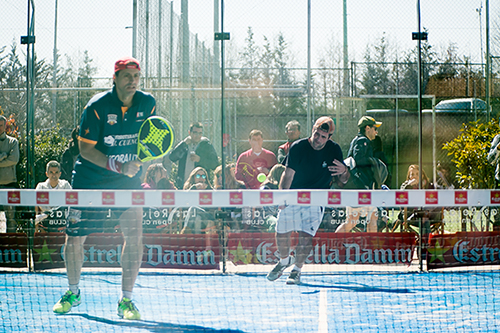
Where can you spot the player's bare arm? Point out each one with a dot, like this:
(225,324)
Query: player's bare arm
(286,179)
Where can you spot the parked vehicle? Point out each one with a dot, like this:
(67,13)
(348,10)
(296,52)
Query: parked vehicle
(460,105)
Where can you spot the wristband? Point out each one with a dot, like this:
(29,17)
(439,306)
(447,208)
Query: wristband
(114,165)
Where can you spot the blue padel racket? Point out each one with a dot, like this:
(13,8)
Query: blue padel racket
(155,139)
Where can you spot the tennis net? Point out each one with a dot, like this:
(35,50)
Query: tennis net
(403,260)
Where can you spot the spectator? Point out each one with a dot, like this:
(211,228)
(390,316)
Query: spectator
(9,157)
(70,155)
(312,163)
(53,172)
(197,219)
(254,161)
(194,151)
(494,158)
(444,180)
(365,174)
(198,180)
(429,216)
(273,179)
(154,174)
(231,182)
(292,131)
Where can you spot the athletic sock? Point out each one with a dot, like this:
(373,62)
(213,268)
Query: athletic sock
(295,268)
(74,289)
(126,294)
(285,261)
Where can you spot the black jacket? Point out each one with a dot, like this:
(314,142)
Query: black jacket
(362,152)
(207,153)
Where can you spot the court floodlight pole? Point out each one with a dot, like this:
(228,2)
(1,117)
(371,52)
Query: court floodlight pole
(222,36)
(420,36)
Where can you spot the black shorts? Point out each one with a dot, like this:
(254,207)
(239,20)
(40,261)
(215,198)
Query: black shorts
(86,221)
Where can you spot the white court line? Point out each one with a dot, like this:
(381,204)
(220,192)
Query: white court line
(323,318)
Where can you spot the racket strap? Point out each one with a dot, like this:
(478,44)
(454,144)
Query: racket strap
(114,165)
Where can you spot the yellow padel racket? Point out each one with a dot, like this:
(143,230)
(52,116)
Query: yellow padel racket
(156,138)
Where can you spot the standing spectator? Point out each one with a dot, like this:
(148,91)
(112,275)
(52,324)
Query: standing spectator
(70,155)
(292,131)
(254,161)
(9,157)
(108,160)
(363,175)
(312,163)
(192,152)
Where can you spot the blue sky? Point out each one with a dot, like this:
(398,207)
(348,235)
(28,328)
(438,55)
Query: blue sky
(99,25)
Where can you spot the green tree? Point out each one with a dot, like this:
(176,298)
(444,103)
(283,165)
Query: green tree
(469,153)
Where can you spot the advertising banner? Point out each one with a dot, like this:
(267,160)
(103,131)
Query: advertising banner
(104,250)
(328,248)
(463,249)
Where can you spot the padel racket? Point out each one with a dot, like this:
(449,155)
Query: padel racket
(155,139)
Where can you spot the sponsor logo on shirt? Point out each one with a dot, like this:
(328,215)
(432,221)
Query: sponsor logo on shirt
(112,119)
(109,140)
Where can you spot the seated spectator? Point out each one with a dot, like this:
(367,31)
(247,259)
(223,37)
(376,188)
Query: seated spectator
(273,179)
(231,182)
(53,172)
(198,220)
(198,180)
(429,216)
(156,178)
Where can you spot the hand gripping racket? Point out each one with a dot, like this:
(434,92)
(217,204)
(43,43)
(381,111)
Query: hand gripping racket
(155,139)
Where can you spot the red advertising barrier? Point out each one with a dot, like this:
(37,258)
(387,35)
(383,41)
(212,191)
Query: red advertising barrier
(104,250)
(463,249)
(328,248)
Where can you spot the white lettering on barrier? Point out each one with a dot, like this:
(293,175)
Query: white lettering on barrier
(460,250)
(354,254)
(156,255)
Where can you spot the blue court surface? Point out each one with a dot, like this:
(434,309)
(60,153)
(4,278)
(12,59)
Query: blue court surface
(340,302)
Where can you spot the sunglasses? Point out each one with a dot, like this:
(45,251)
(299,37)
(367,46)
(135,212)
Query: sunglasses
(198,176)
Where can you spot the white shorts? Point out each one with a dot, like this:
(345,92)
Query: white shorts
(299,218)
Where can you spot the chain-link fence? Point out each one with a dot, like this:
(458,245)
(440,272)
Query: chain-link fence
(267,75)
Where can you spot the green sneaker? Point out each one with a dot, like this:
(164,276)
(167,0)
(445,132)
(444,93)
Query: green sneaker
(66,302)
(127,310)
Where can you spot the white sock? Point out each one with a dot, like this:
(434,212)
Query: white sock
(126,294)
(74,289)
(296,268)
(285,261)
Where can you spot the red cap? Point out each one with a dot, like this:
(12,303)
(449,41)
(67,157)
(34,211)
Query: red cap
(325,124)
(126,62)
